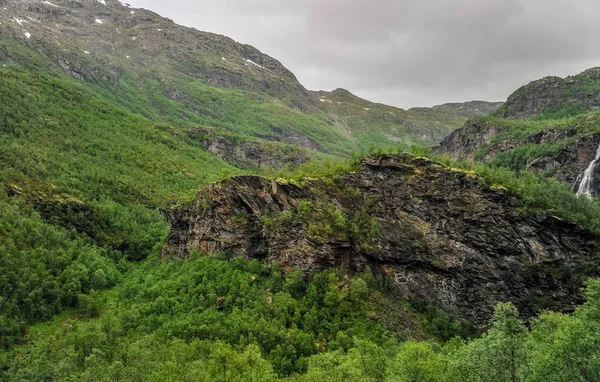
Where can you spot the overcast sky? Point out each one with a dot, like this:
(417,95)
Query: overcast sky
(408,52)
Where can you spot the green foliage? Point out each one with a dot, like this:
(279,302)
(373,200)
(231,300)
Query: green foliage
(44,269)
(232,318)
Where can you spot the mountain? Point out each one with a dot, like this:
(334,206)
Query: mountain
(554,97)
(561,140)
(151,66)
(465,109)
(375,125)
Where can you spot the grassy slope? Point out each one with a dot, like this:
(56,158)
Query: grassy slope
(374,125)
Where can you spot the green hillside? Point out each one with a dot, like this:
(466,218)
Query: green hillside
(111,117)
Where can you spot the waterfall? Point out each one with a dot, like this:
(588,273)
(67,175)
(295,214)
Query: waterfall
(587,178)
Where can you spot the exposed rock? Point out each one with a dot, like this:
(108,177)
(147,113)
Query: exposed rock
(570,163)
(552,93)
(442,235)
(481,140)
(253,154)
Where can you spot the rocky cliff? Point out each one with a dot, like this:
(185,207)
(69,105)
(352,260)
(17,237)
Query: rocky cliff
(560,149)
(555,96)
(442,235)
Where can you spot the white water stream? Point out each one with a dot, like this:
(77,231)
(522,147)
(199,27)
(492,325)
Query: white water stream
(586,187)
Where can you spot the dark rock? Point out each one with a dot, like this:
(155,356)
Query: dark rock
(552,93)
(255,154)
(442,235)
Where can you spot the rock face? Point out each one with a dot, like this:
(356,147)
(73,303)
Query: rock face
(442,235)
(483,140)
(256,154)
(570,163)
(549,94)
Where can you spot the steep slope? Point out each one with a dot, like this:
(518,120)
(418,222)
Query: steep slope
(554,97)
(442,235)
(124,39)
(377,125)
(165,72)
(184,77)
(561,141)
(559,148)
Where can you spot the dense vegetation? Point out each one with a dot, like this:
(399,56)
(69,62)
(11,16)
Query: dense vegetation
(220,319)
(86,169)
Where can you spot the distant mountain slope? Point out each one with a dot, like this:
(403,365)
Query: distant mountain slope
(465,109)
(375,125)
(554,97)
(165,72)
(561,141)
(91,37)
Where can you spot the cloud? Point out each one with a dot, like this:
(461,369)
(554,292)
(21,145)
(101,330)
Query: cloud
(408,52)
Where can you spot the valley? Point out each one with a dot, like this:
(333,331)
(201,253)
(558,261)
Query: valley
(177,206)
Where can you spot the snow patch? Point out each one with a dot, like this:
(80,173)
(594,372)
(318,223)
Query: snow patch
(128,56)
(49,3)
(134,38)
(367,108)
(28,35)
(132,12)
(19,21)
(254,63)
(324,100)
(86,52)
(103,2)
(158,29)
(99,21)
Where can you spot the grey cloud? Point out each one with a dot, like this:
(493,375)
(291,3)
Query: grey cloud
(408,52)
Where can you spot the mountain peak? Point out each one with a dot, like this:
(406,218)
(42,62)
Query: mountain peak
(110,32)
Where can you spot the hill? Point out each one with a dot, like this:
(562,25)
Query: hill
(548,127)
(377,125)
(554,97)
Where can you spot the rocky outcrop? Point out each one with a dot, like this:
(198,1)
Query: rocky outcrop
(256,154)
(569,164)
(483,140)
(463,143)
(549,94)
(442,235)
